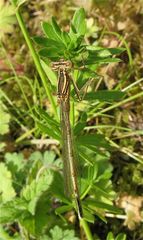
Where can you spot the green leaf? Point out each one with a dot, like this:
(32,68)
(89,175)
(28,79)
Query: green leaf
(38,186)
(110,236)
(63,209)
(47,129)
(104,95)
(28,223)
(75,43)
(121,236)
(50,53)
(50,159)
(50,74)
(100,61)
(58,189)
(56,28)
(80,124)
(101,56)
(12,210)
(65,37)
(86,157)
(18,166)
(93,204)
(104,52)
(44,115)
(47,42)
(89,174)
(58,233)
(49,31)
(88,73)
(101,214)
(32,192)
(78,22)
(45,121)
(15,161)
(37,155)
(93,139)
(116,51)
(92,172)
(7,192)
(8,213)
(104,190)
(79,127)
(44,214)
(88,215)
(36,165)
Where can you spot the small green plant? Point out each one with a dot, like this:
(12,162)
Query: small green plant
(28,200)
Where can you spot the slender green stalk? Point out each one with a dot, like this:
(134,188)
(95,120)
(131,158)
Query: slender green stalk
(125,135)
(108,126)
(35,58)
(128,152)
(72,117)
(23,232)
(86,229)
(132,85)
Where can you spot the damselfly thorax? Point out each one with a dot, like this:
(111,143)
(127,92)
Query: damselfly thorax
(64,78)
(63,90)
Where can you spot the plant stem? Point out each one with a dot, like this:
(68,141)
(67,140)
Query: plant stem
(86,228)
(23,232)
(132,84)
(35,58)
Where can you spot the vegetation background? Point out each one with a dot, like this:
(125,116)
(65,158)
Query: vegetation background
(111,23)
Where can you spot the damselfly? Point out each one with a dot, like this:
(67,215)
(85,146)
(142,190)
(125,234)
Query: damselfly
(68,152)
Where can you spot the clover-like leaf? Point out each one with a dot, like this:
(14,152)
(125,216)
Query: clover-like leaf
(7,191)
(58,233)
(32,192)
